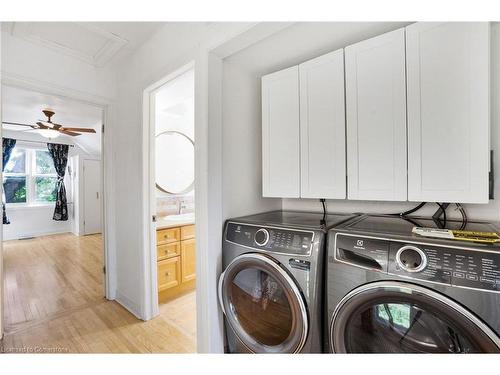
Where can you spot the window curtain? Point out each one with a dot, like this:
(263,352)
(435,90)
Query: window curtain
(59,154)
(7,146)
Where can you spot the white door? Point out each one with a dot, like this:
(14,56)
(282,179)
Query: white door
(322,127)
(376,118)
(280,134)
(448,111)
(92,196)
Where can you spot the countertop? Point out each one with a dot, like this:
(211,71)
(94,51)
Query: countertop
(174,221)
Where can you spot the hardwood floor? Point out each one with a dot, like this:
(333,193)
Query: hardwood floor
(54,303)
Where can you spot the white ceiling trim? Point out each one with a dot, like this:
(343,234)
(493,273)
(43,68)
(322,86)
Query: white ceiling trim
(104,53)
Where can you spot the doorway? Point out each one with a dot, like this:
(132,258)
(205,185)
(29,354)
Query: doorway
(171,142)
(51,268)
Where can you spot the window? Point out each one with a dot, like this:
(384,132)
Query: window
(45,177)
(30,177)
(14,180)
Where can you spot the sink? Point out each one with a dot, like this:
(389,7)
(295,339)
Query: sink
(181,217)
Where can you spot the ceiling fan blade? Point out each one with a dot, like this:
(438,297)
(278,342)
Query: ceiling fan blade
(82,130)
(73,134)
(17,123)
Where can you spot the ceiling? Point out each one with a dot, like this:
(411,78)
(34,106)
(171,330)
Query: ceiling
(97,43)
(19,105)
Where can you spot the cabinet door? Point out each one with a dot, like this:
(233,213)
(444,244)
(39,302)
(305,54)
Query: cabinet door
(188,260)
(322,127)
(448,111)
(169,273)
(376,118)
(280,134)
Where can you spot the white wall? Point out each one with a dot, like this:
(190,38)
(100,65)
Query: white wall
(304,41)
(241,143)
(26,222)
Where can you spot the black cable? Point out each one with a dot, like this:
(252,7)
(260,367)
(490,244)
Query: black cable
(323,221)
(410,220)
(464,216)
(444,213)
(404,213)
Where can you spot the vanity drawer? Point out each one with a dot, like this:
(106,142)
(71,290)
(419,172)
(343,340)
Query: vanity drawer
(169,235)
(169,273)
(187,232)
(168,250)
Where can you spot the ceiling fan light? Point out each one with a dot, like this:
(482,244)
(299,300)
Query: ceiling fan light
(48,133)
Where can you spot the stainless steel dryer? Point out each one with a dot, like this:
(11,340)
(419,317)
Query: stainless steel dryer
(271,290)
(390,291)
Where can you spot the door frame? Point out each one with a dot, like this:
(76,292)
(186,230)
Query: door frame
(105,104)
(151,308)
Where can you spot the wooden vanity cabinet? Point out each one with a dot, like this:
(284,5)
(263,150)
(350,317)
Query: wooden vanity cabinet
(176,259)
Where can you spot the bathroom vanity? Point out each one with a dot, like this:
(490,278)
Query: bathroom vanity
(176,257)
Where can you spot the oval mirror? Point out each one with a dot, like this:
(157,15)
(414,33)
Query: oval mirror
(174,162)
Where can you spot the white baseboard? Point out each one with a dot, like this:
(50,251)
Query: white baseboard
(128,304)
(34,235)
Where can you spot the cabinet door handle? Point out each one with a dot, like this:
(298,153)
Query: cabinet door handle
(167,274)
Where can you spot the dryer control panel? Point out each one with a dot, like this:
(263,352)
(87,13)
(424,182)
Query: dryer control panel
(473,268)
(289,241)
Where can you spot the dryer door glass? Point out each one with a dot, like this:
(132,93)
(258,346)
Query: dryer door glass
(263,305)
(407,319)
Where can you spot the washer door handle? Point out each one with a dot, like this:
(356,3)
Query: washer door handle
(221,302)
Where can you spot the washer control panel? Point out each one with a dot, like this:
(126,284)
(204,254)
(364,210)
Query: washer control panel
(473,268)
(279,240)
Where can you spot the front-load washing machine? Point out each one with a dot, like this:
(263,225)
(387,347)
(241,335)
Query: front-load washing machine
(391,291)
(271,287)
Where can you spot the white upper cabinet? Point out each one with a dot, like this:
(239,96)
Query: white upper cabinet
(280,134)
(448,111)
(376,118)
(322,127)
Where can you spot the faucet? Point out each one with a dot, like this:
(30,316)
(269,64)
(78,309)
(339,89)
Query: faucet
(182,206)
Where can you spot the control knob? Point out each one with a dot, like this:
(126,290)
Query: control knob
(411,259)
(261,237)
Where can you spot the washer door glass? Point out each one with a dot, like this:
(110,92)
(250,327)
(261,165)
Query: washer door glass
(263,305)
(405,318)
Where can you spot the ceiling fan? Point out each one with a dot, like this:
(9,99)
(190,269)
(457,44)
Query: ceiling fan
(50,129)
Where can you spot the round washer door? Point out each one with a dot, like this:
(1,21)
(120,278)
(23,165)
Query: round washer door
(263,305)
(399,317)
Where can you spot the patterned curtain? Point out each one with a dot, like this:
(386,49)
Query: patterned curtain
(7,146)
(59,155)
